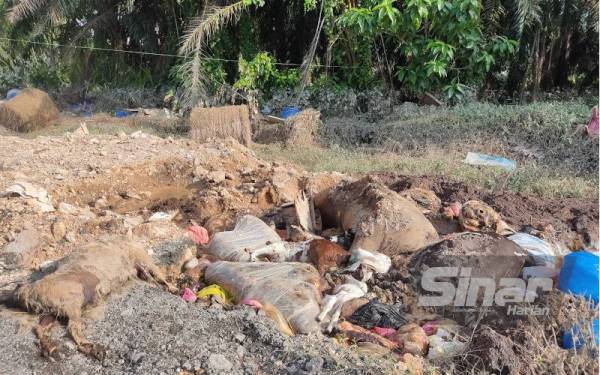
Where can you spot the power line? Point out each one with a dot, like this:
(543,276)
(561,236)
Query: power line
(147,53)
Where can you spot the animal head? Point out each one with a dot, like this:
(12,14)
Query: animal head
(477,216)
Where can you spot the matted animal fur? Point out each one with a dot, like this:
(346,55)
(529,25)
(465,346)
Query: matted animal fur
(84,278)
(220,123)
(380,218)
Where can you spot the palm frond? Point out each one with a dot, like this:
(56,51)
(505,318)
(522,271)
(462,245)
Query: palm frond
(24,9)
(211,21)
(197,34)
(527,13)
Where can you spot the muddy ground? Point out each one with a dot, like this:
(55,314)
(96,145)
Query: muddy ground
(103,184)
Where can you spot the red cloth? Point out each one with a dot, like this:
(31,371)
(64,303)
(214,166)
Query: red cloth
(199,234)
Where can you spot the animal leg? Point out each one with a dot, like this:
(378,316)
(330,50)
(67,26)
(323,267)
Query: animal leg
(48,347)
(151,271)
(84,346)
(328,303)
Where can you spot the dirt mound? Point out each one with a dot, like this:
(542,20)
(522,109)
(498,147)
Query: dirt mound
(220,123)
(487,255)
(570,218)
(31,109)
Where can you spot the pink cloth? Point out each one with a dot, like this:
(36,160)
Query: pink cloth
(430,328)
(188,295)
(199,234)
(251,302)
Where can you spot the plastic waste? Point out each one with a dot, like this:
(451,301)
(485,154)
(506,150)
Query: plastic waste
(198,234)
(163,216)
(378,262)
(215,290)
(430,328)
(288,112)
(579,275)
(377,314)
(292,288)
(576,338)
(250,233)
(539,272)
(123,113)
(474,158)
(281,252)
(188,295)
(12,93)
(441,345)
(541,252)
(332,303)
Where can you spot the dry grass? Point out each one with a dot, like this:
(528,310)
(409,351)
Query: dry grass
(529,177)
(31,109)
(221,122)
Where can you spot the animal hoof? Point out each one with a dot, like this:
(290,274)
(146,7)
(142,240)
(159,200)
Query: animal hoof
(93,350)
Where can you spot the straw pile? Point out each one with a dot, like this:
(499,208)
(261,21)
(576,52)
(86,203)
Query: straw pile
(220,123)
(31,109)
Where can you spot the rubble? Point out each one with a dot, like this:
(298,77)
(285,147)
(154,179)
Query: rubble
(188,206)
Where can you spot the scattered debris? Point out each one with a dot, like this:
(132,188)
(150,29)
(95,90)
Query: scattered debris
(21,250)
(474,158)
(293,288)
(249,234)
(28,190)
(375,314)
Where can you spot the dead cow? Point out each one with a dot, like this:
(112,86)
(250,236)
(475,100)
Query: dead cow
(380,218)
(84,278)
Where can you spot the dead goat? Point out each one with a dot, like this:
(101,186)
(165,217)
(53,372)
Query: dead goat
(83,279)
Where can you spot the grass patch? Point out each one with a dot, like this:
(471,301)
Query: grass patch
(528,178)
(548,129)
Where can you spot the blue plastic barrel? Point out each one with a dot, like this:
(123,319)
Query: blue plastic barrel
(288,112)
(12,93)
(579,275)
(576,338)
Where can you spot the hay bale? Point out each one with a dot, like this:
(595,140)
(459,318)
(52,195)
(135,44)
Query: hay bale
(221,122)
(31,109)
(302,128)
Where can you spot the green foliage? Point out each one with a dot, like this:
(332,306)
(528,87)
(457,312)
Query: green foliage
(260,73)
(440,42)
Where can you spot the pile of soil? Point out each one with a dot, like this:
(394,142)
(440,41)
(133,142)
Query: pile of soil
(569,217)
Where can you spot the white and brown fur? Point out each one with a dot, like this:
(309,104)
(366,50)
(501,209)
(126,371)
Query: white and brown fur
(83,279)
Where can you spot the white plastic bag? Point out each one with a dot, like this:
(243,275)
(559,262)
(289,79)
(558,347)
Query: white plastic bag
(249,234)
(293,288)
(541,252)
